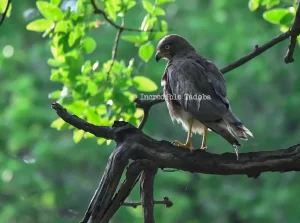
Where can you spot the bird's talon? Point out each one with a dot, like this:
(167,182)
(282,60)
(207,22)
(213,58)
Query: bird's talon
(204,148)
(183,145)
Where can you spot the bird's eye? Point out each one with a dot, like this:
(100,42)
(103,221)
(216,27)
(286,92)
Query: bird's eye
(167,47)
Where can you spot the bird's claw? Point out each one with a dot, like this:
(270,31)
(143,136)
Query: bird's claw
(204,148)
(184,145)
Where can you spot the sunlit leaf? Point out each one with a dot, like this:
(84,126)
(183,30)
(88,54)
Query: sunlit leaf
(148,6)
(3,5)
(272,3)
(56,2)
(77,135)
(275,15)
(54,94)
(146,51)
(253,5)
(144,84)
(160,2)
(50,11)
(61,26)
(39,25)
(89,45)
(287,19)
(58,124)
(159,11)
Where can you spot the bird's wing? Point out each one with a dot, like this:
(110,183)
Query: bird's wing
(200,94)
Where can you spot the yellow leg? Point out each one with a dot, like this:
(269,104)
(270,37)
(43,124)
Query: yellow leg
(203,146)
(188,144)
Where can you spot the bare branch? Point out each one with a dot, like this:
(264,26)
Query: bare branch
(295,31)
(102,12)
(99,131)
(115,47)
(146,105)
(256,52)
(5,12)
(166,201)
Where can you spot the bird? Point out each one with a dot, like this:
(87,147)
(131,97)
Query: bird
(195,93)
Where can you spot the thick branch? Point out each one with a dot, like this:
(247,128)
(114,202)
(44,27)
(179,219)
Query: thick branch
(132,144)
(132,174)
(295,31)
(147,200)
(5,12)
(135,145)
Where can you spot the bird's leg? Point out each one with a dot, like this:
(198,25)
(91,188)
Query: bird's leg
(203,146)
(188,144)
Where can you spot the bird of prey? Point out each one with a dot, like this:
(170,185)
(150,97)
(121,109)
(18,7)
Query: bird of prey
(195,93)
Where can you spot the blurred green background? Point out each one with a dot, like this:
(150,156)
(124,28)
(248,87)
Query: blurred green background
(47,177)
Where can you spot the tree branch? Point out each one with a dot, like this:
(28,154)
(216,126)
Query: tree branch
(146,188)
(295,31)
(115,47)
(165,201)
(102,12)
(5,12)
(133,172)
(132,144)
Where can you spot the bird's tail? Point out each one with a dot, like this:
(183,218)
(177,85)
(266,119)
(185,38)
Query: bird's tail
(222,128)
(237,127)
(240,131)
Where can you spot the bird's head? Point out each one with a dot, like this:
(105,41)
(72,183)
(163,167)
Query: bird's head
(171,45)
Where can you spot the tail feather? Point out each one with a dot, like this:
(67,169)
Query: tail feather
(241,131)
(221,128)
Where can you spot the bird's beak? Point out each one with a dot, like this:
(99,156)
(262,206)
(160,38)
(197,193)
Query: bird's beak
(158,55)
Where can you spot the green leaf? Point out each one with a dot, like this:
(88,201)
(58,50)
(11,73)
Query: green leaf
(54,94)
(111,11)
(3,5)
(61,26)
(146,51)
(253,5)
(130,4)
(144,84)
(287,19)
(39,25)
(77,135)
(275,15)
(148,6)
(56,2)
(159,11)
(160,2)
(89,45)
(50,11)
(272,3)
(58,124)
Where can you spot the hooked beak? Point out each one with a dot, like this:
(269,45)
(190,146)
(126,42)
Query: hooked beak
(158,56)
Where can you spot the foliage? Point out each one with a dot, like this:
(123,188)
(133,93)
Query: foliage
(46,177)
(278,12)
(98,92)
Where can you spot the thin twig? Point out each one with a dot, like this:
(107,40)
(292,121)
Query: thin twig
(256,52)
(102,12)
(5,12)
(165,201)
(115,47)
(146,105)
(295,31)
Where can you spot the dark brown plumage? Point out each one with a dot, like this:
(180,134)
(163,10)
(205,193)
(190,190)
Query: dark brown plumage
(188,75)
